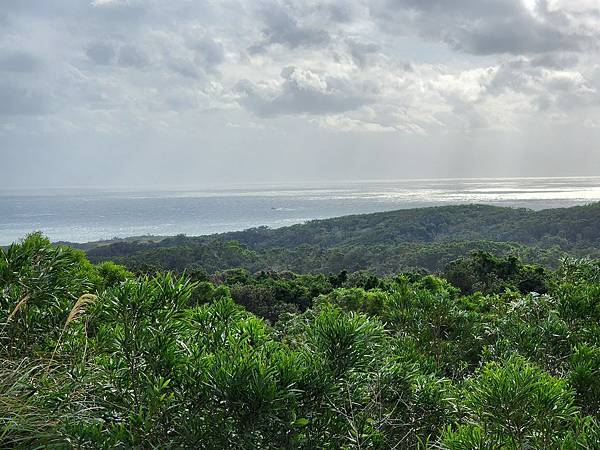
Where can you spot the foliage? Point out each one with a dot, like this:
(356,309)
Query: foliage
(383,243)
(97,357)
(519,405)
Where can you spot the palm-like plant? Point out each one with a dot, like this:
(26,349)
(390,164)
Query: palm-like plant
(38,286)
(516,402)
(348,342)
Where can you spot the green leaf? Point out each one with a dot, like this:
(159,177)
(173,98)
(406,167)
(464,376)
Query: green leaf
(302,422)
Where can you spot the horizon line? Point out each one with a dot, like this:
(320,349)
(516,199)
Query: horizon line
(233,185)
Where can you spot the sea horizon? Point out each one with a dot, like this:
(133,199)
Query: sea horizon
(78,214)
(211,186)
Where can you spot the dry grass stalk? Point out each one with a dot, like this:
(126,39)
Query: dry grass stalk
(18,307)
(77,310)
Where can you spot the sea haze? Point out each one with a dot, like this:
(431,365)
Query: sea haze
(86,215)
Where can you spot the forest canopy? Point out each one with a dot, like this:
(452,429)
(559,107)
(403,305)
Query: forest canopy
(383,243)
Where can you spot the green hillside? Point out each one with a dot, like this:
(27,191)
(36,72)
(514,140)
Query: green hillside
(383,243)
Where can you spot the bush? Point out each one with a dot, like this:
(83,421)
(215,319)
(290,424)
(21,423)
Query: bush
(519,404)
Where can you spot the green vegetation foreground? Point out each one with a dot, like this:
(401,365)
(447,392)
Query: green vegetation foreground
(93,356)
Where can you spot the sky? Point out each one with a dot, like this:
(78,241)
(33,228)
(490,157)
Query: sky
(181,93)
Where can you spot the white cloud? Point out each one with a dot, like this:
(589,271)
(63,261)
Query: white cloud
(227,78)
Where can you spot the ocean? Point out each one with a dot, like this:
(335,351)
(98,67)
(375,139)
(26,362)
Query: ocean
(78,215)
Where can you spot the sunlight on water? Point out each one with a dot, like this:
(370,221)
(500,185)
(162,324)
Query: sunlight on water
(79,216)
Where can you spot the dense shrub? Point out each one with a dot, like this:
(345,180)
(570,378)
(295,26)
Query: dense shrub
(96,357)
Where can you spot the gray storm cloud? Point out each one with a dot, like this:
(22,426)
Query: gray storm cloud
(126,92)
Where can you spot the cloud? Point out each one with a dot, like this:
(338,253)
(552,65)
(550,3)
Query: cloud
(549,84)
(304,92)
(101,53)
(110,3)
(131,56)
(555,60)
(344,11)
(19,62)
(208,52)
(17,101)
(185,68)
(486,27)
(426,78)
(361,52)
(284,29)
(121,10)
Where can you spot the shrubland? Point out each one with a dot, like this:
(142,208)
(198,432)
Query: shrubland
(490,353)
